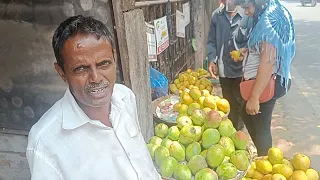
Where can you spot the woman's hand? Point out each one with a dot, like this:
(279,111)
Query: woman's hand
(253,106)
(244,53)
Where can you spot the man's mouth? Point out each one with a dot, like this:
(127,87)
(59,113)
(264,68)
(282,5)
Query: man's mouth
(98,90)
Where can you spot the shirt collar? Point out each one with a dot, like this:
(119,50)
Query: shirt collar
(73,116)
(239,12)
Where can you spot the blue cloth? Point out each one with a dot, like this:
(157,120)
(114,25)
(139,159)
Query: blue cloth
(275,26)
(159,84)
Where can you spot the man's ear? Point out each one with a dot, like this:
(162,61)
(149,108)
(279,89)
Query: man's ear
(60,72)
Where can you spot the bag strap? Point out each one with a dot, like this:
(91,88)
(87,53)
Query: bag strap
(244,66)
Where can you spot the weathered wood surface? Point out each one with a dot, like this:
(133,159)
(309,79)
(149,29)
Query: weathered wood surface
(199,32)
(131,39)
(155,2)
(127,5)
(121,40)
(135,31)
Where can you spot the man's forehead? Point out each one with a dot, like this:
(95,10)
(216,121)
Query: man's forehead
(87,40)
(83,41)
(84,45)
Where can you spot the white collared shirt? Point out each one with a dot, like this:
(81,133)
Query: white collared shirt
(66,145)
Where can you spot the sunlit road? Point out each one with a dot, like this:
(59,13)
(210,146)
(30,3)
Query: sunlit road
(296,121)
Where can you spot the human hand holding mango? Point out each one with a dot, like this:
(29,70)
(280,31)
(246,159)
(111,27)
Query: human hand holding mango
(239,55)
(235,55)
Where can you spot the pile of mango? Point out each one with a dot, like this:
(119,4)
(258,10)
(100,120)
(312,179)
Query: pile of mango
(276,167)
(203,145)
(189,79)
(200,99)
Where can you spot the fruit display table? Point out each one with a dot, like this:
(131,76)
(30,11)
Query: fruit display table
(194,139)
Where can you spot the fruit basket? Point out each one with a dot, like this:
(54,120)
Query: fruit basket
(168,102)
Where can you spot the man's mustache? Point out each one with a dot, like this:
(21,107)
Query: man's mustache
(96,86)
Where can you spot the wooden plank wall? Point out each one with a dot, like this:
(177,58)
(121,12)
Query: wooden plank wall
(131,35)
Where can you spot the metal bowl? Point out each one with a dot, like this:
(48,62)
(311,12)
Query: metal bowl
(156,119)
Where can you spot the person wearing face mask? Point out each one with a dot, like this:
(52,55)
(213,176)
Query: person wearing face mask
(266,65)
(93,131)
(224,26)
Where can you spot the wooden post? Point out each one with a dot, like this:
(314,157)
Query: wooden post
(209,7)
(199,32)
(121,38)
(132,42)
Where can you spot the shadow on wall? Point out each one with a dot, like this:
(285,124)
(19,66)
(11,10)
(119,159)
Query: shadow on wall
(29,85)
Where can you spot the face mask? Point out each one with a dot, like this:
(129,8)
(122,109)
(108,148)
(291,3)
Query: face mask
(230,6)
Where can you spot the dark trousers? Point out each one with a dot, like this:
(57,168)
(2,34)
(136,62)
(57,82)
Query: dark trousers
(259,126)
(231,92)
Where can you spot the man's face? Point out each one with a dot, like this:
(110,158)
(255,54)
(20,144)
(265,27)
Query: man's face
(230,6)
(89,69)
(249,9)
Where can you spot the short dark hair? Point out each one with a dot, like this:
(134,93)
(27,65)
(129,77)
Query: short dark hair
(75,25)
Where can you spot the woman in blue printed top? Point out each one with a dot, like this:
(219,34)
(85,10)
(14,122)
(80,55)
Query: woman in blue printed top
(271,48)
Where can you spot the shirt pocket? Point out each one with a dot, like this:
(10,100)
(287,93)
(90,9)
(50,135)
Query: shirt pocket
(139,153)
(132,127)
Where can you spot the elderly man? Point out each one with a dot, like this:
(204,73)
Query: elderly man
(221,41)
(92,132)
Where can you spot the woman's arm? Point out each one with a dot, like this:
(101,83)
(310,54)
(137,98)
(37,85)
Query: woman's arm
(267,60)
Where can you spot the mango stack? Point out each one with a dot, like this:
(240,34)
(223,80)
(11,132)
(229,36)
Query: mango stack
(276,167)
(202,146)
(189,79)
(200,99)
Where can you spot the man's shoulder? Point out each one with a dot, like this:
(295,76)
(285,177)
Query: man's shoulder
(122,88)
(124,91)
(218,11)
(46,125)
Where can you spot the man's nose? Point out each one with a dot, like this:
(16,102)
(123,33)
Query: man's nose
(95,77)
(246,12)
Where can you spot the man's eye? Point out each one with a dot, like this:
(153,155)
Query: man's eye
(79,69)
(105,63)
